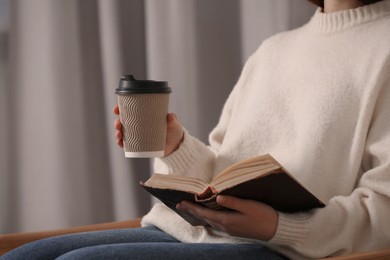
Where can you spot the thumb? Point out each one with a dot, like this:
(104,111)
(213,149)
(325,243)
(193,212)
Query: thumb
(172,121)
(234,203)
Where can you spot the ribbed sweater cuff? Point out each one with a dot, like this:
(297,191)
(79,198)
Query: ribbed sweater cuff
(190,151)
(292,229)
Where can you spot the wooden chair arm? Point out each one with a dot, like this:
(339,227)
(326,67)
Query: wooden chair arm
(11,241)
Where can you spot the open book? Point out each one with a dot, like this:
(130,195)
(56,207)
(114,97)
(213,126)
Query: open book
(259,178)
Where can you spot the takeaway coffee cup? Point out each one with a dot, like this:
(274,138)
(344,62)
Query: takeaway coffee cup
(143,106)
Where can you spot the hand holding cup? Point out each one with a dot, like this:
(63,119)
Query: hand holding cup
(145,125)
(175,132)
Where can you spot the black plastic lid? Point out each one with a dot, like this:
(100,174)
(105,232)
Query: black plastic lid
(129,85)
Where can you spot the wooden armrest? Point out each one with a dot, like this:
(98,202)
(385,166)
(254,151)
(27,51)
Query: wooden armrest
(11,241)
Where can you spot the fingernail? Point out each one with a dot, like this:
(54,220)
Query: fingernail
(182,206)
(174,116)
(220,199)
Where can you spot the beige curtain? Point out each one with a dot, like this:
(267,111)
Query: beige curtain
(61,166)
(4,143)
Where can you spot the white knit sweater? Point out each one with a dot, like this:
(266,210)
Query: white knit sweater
(318,99)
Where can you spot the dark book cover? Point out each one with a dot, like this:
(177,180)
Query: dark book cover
(276,189)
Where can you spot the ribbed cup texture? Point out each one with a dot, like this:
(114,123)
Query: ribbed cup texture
(144,121)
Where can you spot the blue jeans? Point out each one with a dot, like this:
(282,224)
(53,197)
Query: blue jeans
(139,243)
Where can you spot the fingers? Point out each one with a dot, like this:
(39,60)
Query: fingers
(234,203)
(118,124)
(119,138)
(118,134)
(207,214)
(175,134)
(119,142)
(116,110)
(172,121)
(247,219)
(118,127)
(243,206)
(171,117)
(219,219)
(229,202)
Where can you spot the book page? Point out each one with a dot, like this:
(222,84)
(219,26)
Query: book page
(248,175)
(176,182)
(245,170)
(262,159)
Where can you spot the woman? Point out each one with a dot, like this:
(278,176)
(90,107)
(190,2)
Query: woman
(317,98)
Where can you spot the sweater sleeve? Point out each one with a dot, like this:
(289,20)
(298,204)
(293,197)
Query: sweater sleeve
(193,158)
(358,222)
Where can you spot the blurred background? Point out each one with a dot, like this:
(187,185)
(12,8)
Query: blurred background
(60,62)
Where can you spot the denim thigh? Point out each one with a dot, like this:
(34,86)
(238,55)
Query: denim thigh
(173,251)
(50,248)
